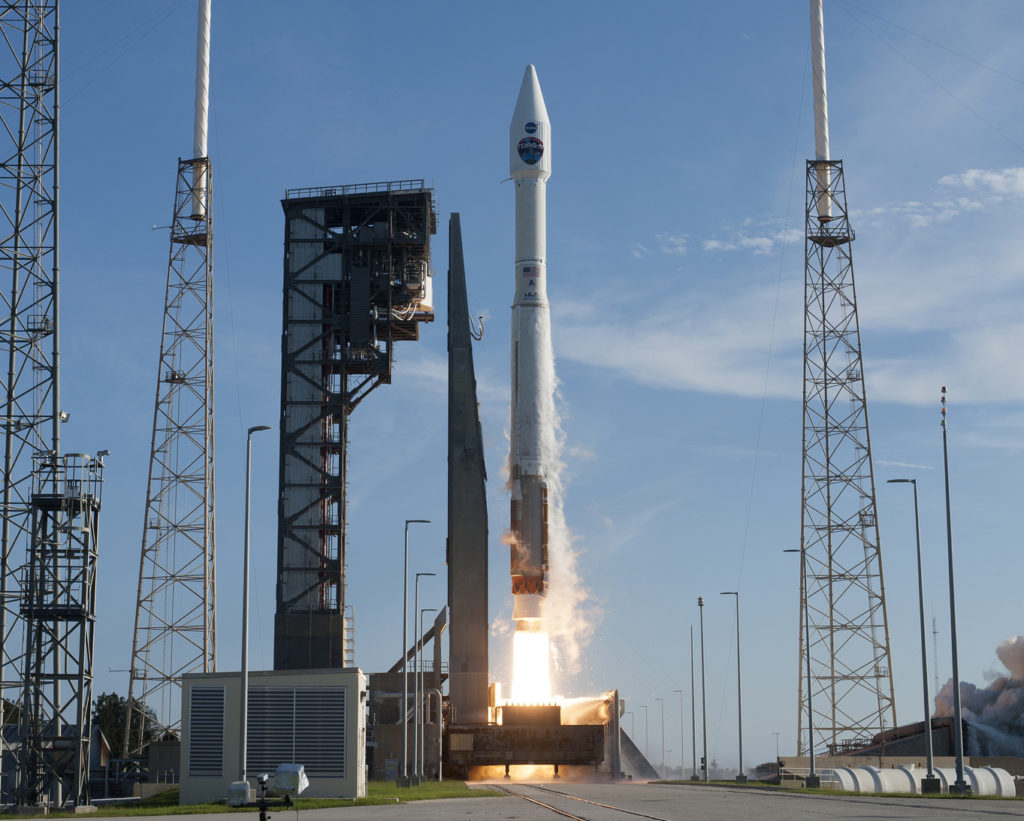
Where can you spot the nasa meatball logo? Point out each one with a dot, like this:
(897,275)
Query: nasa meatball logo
(531,128)
(530,150)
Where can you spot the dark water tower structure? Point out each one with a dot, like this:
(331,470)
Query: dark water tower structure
(357,280)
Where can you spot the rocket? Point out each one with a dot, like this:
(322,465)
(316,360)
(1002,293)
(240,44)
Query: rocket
(533,379)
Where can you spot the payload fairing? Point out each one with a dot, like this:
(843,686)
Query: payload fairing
(533,380)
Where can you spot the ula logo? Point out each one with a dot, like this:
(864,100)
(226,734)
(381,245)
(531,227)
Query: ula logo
(530,150)
(531,128)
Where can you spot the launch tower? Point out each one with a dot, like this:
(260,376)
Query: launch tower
(175,617)
(357,280)
(842,594)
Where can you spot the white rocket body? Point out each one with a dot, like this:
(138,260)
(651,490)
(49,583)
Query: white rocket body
(533,412)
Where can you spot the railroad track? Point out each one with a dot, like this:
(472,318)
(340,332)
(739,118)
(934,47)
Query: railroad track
(561,803)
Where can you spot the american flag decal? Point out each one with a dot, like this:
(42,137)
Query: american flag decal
(531,270)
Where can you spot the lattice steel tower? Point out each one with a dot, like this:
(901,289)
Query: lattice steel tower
(175,621)
(357,279)
(50,502)
(842,592)
(58,606)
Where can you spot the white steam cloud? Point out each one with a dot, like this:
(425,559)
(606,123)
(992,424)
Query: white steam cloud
(567,617)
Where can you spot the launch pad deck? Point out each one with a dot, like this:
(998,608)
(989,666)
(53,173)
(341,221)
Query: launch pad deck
(491,745)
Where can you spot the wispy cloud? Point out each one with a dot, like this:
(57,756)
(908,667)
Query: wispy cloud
(763,244)
(908,465)
(979,189)
(674,244)
(1002,182)
(916,214)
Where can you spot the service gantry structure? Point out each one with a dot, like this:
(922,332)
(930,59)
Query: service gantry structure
(357,279)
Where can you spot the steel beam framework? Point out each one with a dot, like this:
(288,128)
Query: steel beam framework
(175,620)
(842,591)
(29,154)
(58,606)
(357,279)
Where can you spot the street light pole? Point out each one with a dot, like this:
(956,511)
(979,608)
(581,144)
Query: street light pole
(682,736)
(404,780)
(646,753)
(742,777)
(703,690)
(422,717)
(812,781)
(416,683)
(959,786)
(244,695)
(930,783)
(661,701)
(693,711)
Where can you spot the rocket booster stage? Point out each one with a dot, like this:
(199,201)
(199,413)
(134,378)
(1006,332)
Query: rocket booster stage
(533,378)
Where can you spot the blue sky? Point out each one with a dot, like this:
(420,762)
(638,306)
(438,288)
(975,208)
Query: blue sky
(675,211)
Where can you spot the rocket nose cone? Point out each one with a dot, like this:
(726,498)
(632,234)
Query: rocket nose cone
(530,131)
(530,103)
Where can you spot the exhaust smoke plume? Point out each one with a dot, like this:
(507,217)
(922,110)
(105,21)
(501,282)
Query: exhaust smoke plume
(996,712)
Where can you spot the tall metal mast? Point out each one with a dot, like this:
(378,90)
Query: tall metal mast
(842,591)
(175,620)
(28,327)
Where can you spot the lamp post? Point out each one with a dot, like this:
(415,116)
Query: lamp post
(741,778)
(422,715)
(703,691)
(404,780)
(416,683)
(661,701)
(244,696)
(644,708)
(930,783)
(682,735)
(959,786)
(812,781)
(693,711)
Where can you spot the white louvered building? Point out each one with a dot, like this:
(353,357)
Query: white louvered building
(316,718)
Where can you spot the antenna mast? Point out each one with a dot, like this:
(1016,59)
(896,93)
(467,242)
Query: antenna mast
(175,619)
(842,590)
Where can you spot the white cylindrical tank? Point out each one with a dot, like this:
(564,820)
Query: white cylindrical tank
(990,781)
(981,780)
(896,780)
(855,779)
(946,776)
(915,775)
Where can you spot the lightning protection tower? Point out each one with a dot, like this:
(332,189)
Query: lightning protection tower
(175,624)
(842,593)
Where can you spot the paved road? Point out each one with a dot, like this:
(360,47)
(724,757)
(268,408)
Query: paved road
(660,802)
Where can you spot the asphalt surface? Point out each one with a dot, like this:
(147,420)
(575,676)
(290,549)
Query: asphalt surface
(659,802)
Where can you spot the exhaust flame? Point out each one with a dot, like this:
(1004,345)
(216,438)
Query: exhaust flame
(531,678)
